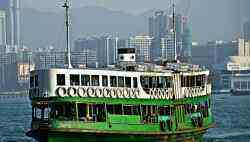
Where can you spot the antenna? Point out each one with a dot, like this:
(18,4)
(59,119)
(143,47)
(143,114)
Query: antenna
(66,6)
(174,31)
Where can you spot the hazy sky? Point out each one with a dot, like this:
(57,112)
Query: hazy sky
(219,17)
(130,6)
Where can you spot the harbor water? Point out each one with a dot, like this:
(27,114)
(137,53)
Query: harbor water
(231,113)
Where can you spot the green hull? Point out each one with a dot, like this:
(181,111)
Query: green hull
(79,135)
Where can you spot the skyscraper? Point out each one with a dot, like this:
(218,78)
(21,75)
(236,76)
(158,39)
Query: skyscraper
(142,45)
(158,29)
(2,29)
(246,30)
(158,25)
(12,10)
(187,40)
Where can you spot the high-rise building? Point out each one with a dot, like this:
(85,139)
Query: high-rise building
(105,48)
(244,47)
(12,10)
(158,25)
(168,50)
(142,45)
(2,27)
(246,30)
(88,48)
(187,42)
(161,29)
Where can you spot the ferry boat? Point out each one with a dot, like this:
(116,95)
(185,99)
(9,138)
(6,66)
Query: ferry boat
(235,77)
(129,100)
(236,82)
(124,102)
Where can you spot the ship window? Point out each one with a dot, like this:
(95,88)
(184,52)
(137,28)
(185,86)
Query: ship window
(104,81)
(36,80)
(154,81)
(166,81)
(248,84)
(128,82)
(127,110)
(135,110)
(60,79)
(135,84)
(95,80)
(191,81)
(31,82)
(198,80)
(120,81)
(74,80)
(164,111)
(113,81)
(244,85)
(85,80)
(114,109)
(148,82)
(193,78)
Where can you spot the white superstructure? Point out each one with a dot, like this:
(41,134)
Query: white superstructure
(117,83)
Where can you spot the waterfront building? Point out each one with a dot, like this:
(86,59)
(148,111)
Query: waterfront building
(3,32)
(12,10)
(45,59)
(186,40)
(213,53)
(87,51)
(168,52)
(243,47)
(161,29)
(142,45)
(246,30)
(104,48)
(158,25)
(107,50)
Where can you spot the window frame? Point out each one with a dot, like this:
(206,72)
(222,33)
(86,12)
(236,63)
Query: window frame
(63,80)
(76,82)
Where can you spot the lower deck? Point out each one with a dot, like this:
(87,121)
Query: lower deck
(122,116)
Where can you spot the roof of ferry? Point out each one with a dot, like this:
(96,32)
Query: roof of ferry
(168,68)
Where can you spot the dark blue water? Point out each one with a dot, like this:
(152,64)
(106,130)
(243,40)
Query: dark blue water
(232,116)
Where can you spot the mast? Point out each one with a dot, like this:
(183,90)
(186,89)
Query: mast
(66,6)
(174,32)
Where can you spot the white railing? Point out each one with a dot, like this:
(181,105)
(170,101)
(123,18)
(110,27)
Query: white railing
(190,92)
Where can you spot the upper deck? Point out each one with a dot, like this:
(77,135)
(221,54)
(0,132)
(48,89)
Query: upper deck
(174,81)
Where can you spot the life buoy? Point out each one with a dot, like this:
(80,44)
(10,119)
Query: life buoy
(137,93)
(72,92)
(113,93)
(98,93)
(81,92)
(126,93)
(119,93)
(91,92)
(61,92)
(106,93)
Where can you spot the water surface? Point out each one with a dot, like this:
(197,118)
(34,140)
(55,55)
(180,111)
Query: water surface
(232,116)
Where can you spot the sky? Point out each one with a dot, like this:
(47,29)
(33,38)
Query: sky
(129,6)
(220,18)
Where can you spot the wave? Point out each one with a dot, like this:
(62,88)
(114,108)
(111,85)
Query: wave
(227,135)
